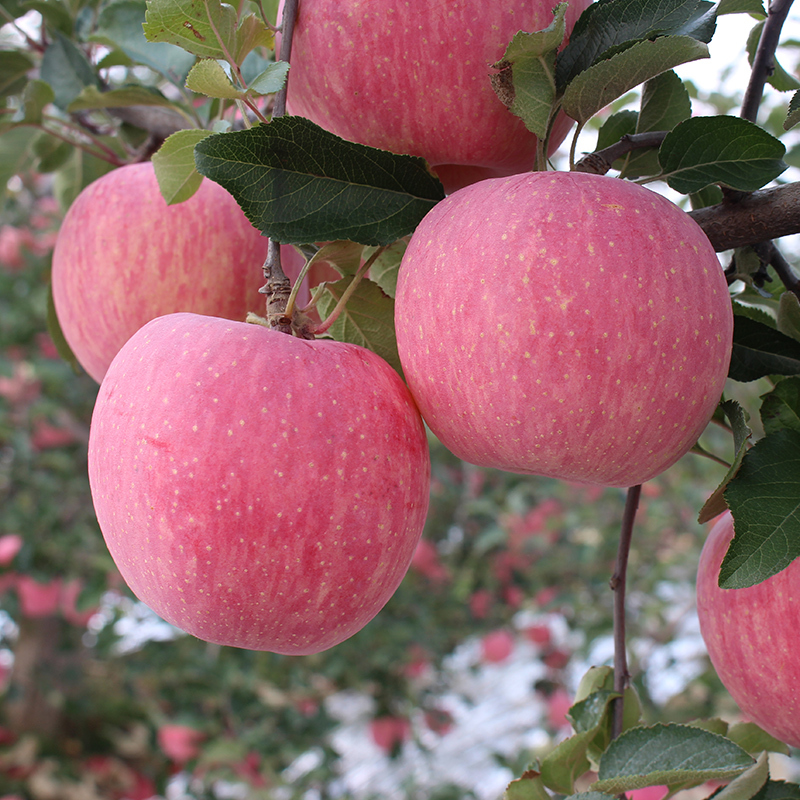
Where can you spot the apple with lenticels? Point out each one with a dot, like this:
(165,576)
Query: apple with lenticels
(415,78)
(256,489)
(123,257)
(564,324)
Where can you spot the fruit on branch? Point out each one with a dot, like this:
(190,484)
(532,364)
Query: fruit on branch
(123,257)
(255,489)
(415,79)
(752,637)
(564,324)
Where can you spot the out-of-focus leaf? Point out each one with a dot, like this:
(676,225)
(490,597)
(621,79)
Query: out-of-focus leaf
(67,70)
(780,408)
(763,497)
(759,350)
(54,13)
(298,183)
(755,740)
(793,114)
(36,95)
(727,150)
(777,77)
(14,68)
(92,97)
(177,176)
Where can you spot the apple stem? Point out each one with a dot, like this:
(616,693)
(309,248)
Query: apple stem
(621,675)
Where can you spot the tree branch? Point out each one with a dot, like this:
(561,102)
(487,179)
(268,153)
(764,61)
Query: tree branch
(599,162)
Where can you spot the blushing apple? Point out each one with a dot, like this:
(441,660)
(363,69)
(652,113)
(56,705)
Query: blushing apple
(564,324)
(255,489)
(753,638)
(415,78)
(124,257)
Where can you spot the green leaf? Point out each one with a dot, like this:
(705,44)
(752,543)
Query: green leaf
(367,319)
(727,150)
(205,28)
(271,80)
(789,315)
(51,153)
(764,498)
(609,79)
(385,268)
(737,417)
(92,97)
(526,82)
(610,24)
(250,34)
(668,754)
(298,183)
(778,790)
(748,783)
(777,77)
(529,786)
(54,13)
(566,762)
(343,256)
(755,7)
(793,114)
(57,335)
(14,68)
(780,408)
(623,123)
(36,95)
(120,25)
(177,176)
(755,740)
(67,70)
(15,147)
(759,350)
(208,77)
(665,103)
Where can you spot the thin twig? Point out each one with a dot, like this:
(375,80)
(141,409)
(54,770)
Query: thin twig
(764,59)
(600,161)
(287,34)
(618,587)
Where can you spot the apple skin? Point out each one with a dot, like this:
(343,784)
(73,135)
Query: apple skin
(753,638)
(415,78)
(123,257)
(563,324)
(255,489)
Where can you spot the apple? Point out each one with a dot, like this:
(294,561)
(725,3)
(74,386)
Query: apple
(123,257)
(415,78)
(497,646)
(255,489)
(564,324)
(752,637)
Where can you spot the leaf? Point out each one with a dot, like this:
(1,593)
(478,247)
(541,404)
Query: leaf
(748,783)
(205,28)
(609,24)
(755,740)
(777,76)
(177,176)
(386,267)
(298,183)
(92,97)
(53,13)
(51,153)
(208,77)
(755,7)
(57,335)
(759,350)
(616,126)
(526,79)
(67,70)
(778,790)
(607,80)
(793,114)
(120,25)
(343,256)
(14,68)
(665,103)
(367,319)
(36,95)
(668,754)
(764,498)
(780,408)
(789,315)
(250,34)
(737,417)
(727,150)
(271,80)
(566,762)
(527,787)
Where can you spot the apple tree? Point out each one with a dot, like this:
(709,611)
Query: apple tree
(431,258)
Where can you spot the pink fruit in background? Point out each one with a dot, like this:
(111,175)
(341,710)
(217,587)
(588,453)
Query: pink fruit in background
(415,78)
(753,637)
(389,732)
(564,324)
(497,646)
(38,599)
(180,743)
(123,257)
(10,545)
(255,489)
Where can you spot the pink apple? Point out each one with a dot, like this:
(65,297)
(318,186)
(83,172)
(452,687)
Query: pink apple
(753,637)
(255,489)
(180,743)
(123,257)
(415,78)
(389,732)
(564,324)
(496,646)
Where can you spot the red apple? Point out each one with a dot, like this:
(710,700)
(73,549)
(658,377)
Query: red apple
(497,646)
(753,637)
(255,489)
(564,324)
(389,732)
(415,78)
(124,257)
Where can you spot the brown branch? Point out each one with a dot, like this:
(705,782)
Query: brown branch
(757,217)
(599,162)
